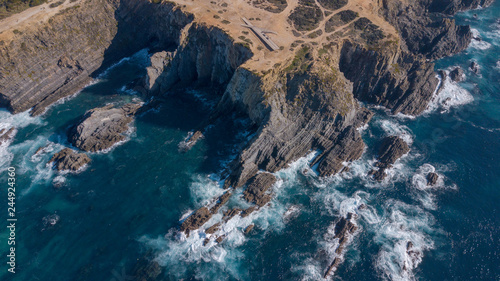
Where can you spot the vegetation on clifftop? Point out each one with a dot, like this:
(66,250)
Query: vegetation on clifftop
(9,7)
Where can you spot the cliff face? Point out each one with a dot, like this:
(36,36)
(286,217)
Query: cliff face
(392,78)
(423,28)
(207,57)
(301,98)
(52,60)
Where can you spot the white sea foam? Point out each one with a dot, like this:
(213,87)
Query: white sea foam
(425,193)
(450,95)
(214,260)
(16,121)
(35,164)
(141,55)
(392,128)
(391,222)
(403,224)
(203,189)
(477,42)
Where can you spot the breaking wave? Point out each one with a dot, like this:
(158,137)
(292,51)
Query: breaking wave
(450,95)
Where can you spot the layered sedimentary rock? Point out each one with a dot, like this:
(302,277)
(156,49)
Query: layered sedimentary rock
(101,128)
(69,160)
(392,78)
(305,99)
(257,190)
(55,59)
(423,28)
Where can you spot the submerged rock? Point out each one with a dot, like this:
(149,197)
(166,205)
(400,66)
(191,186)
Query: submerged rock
(457,74)
(51,220)
(190,141)
(249,228)
(6,135)
(344,228)
(146,269)
(474,67)
(69,160)
(101,128)
(392,149)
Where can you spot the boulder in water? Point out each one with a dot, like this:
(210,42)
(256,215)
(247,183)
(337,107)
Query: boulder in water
(457,74)
(101,128)
(432,178)
(69,160)
(392,148)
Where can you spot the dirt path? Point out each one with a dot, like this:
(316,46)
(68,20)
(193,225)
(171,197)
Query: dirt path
(30,17)
(225,14)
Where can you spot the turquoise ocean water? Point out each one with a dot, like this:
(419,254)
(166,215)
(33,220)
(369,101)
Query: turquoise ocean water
(131,198)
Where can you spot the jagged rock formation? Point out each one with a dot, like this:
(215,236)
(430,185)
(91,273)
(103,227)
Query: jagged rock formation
(202,215)
(301,98)
(457,74)
(190,141)
(432,178)
(474,67)
(453,6)
(423,29)
(209,58)
(391,149)
(57,58)
(160,62)
(101,128)
(6,135)
(256,192)
(394,79)
(69,160)
(344,228)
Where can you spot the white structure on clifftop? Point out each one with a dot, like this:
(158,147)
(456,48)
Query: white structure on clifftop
(261,33)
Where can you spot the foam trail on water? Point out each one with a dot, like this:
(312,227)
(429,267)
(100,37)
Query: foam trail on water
(477,42)
(404,236)
(16,121)
(450,95)
(141,58)
(216,261)
(392,128)
(34,163)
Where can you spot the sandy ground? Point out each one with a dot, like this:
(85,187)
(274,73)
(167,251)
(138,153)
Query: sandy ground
(30,17)
(207,12)
(227,15)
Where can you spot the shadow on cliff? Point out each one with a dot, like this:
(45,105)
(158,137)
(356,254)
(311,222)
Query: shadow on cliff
(158,27)
(143,25)
(185,112)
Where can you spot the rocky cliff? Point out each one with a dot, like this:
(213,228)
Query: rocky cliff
(51,60)
(301,98)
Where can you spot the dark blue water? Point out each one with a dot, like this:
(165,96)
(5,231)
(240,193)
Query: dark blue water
(130,199)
